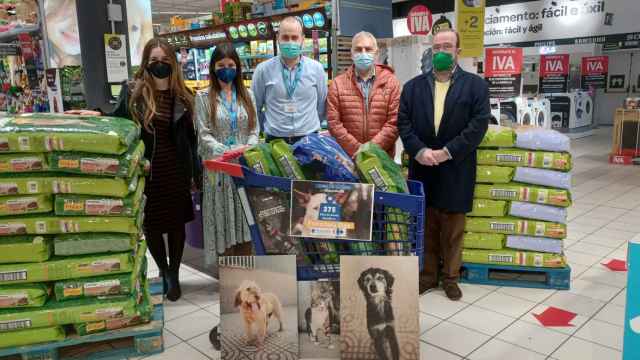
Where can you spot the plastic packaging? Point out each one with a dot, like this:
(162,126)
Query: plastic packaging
(542,139)
(20,205)
(31,336)
(96,164)
(286,162)
(30,184)
(484,241)
(324,153)
(550,178)
(22,163)
(526,158)
(25,249)
(488,208)
(494,174)
(538,212)
(498,136)
(525,193)
(91,205)
(19,296)
(69,224)
(97,243)
(260,160)
(513,226)
(531,243)
(513,257)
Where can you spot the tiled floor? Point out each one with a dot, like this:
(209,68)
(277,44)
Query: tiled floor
(494,323)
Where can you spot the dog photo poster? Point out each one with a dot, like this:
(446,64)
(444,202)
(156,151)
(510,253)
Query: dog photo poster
(379,307)
(331,210)
(319,319)
(258,307)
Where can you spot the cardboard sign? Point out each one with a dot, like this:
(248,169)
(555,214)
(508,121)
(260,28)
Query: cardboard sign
(594,72)
(554,74)
(419,20)
(503,71)
(115,53)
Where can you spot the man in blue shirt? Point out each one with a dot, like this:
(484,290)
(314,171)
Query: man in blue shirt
(290,89)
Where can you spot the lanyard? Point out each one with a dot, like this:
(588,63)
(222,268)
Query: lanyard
(286,78)
(233,115)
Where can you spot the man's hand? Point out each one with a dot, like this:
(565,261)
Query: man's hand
(427,158)
(441,156)
(357,151)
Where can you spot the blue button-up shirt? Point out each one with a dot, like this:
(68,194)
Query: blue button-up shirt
(309,98)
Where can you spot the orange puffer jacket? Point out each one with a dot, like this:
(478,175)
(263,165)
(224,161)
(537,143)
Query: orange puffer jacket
(351,124)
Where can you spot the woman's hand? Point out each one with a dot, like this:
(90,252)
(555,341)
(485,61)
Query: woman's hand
(83,112)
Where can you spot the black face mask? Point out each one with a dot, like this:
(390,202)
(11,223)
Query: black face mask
(159,69)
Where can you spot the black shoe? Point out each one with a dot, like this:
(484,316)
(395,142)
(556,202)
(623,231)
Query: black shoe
(453,292)
(163,276)
(173,286)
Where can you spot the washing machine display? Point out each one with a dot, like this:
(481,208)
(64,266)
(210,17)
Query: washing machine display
(583,109)
(515,111)
(541,112)
(560,111)
(495,111)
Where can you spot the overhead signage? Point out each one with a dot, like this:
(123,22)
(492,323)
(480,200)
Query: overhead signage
(207,38)
(419,20)
(594,72)
(554,73)
(470,15)
(503,71)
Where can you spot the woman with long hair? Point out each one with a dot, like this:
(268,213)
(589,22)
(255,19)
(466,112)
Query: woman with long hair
(160,102)
(226,119)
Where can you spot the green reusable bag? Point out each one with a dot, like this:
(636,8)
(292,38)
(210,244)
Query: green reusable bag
(25,249)
(98,164)
(513,257)
(26,295)
(516,226)
(488,208)
(525,193)
(498,136)
(286,162)
(494,174)
(526,158)
(484,241)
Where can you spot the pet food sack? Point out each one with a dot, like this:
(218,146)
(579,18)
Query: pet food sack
(513,257)
(19,296)
(542,139)
(93,287)
(22,163)
(323,153)
(62,225)
(19,205)
(513,226)
(98,243)
(28,184)
(494,174)
(518,192)
(87,205)
(550,178)
(260,160)
(48,132)
(96,164)
(526,158)
(539,244)
(483,241)
(31,336)
(498,136)
(488,208)
(286,162)
(24,249)
(538,212)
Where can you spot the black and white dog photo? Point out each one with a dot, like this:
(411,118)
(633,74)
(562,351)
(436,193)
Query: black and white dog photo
(377,287)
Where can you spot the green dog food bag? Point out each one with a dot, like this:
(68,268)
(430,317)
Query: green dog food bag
(513,257)
(515,226)
(19,205)
(31,336)
(534,159)
(121,284)
(19,296)
(260,160)
(87,205)
(32,184)
(498,136)
(22,163)
(36,225)
(96,243)
(98,164)
(525,193)
(488,208)
(286,162)
(494,174)
(484,241)
(25,249)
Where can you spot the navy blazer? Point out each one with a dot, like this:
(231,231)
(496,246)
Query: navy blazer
(450,185)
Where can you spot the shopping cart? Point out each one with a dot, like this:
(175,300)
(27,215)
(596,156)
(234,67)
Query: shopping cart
(398,223)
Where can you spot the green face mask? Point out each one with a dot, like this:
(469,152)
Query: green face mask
(442,61)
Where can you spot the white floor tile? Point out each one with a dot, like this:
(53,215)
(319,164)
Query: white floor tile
(203,297)
(533,295)
(505,304)
(203,344)
(602,241)
(192,325)
(498,349)
(479,319)
(612,314)
(437,304)
(532,337)
(605,212)
(577,349)
(602,333)
(577,322)
(591,249)
(620,299)
(174,310)
(624,234)
(581,258)
(428,322)
(455,338)
(602,275)
(471,292)
(581,305)
(577,269)
(594,290)
(214,309)
(170,339)
(181,351)
(430,352)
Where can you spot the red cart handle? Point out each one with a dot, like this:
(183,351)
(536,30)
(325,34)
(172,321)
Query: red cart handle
(223,163)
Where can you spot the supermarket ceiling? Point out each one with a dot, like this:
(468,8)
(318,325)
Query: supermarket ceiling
(165,9)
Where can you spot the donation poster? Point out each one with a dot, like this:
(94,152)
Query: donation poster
(594,72)
(554,74)
(503,71)
(470,20)
(331,210)
(115,53)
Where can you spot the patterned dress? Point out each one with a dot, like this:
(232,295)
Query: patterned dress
(223,219)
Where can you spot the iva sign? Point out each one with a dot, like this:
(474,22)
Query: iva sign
(594,72)
(554,73)
(503,71)
(419,20)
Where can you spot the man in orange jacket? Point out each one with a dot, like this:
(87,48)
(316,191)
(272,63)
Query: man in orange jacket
(362,104)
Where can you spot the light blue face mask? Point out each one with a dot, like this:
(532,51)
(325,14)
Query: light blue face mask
(363,61)
(290,50)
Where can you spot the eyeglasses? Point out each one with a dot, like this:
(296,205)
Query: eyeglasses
(445,46)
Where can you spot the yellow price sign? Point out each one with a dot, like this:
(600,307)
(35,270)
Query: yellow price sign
(470,22)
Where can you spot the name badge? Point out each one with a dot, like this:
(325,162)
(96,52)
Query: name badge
(290,107)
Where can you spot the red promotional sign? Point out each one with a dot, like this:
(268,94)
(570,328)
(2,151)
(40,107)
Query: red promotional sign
(419,20)
(554,65)
(503,62)
(594,72)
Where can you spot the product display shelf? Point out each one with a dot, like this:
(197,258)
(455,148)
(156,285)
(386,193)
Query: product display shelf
(141,340)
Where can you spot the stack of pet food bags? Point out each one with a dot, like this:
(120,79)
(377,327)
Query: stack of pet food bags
(72,260)
(521,197)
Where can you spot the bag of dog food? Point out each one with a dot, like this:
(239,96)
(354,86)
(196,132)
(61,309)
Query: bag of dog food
(286,162)
(483,241)
(40,225)
(538,212)
(22,249)
(513,257)
(550,178)
(498,136)
(488,208)
(260,160)
(98,243)
(531,243)
(513,226)
(98,164)
(48,132)
(22,163)
(31,336)
(29,184)
(518,192)
(87,205)
(542,139)
(494,174)
(19,205)
(526,158)
(323,153)
(27,295)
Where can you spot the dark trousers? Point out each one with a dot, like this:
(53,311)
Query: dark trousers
(443,246)
(176,240)
(289,140)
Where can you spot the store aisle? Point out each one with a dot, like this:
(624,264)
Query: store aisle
(495,323)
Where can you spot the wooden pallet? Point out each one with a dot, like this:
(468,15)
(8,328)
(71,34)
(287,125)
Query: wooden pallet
(516,276)
(124,343)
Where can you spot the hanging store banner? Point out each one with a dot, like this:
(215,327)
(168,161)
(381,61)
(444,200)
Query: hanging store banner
(554,73)
(470,16)
(503,71)
(594,72)
(115,53)
(419,20)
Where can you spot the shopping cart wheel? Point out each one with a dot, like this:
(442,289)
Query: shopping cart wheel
(214,338)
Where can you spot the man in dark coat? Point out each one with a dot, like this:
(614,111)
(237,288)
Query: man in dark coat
(443,117)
